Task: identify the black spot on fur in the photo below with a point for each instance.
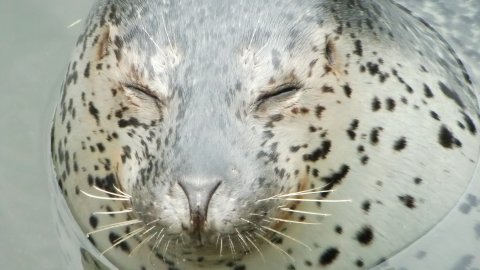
(101, 147)
(470, 125)
(376, 105)
(366, 205)
(318, 153)
(446, 138)
(407, 200)
(93, 111)
(327, 89)
(427, 91)
(374, 136)
(451, 94)
(358, 48)
(347, 90)
(418, 180)
(434, 115)
(122, 123)
(86, 73)
(400, 144)
(329, 256)
(335, 178)
(93, 221)
(318, 111)
(351, 131)
(365, 235)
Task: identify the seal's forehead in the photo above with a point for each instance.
(201, 24)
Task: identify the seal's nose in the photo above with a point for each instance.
(199, 195)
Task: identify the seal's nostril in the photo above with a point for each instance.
(199, 196)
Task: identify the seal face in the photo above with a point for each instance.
(333, 133)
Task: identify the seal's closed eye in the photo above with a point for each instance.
(143, 92)
(279, 94)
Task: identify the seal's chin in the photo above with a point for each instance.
(206, 247)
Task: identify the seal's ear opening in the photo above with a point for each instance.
(331, 55)
(103, 43)
(330, 52)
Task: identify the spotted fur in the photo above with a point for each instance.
(210, 107)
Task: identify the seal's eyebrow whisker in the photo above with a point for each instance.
(252, 37)
(123, 239)
(304, 212)
(105, 198)
(166, 32)
(153, 41)
(113, 212)
(275, 246)
(115, 225)
(288, 236)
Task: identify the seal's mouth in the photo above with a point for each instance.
(199, 238)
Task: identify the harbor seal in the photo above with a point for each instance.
(261, 135)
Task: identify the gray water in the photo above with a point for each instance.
(35, 45)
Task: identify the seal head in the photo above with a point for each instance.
(205, 134)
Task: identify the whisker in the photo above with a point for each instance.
(242, 240)
(256, 225)
(256, 247)
(313, 200)
(113, 212)
(232, 247)
(123, 239)
(149, 229)
(166, 248)
(111, 193)
(104, 198)
(306, 193)
(275, 246)
(156, 244)
(295, 222)
(152, 40)
(146, 240)
(304, 212)
(121, 192)
(221, 246)
(218, 239)
(287, 236)
(318, 190)
(251, 38)
(153, 221)
(166, 32)
(74, 23)
(159, 241)
(115, 225)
